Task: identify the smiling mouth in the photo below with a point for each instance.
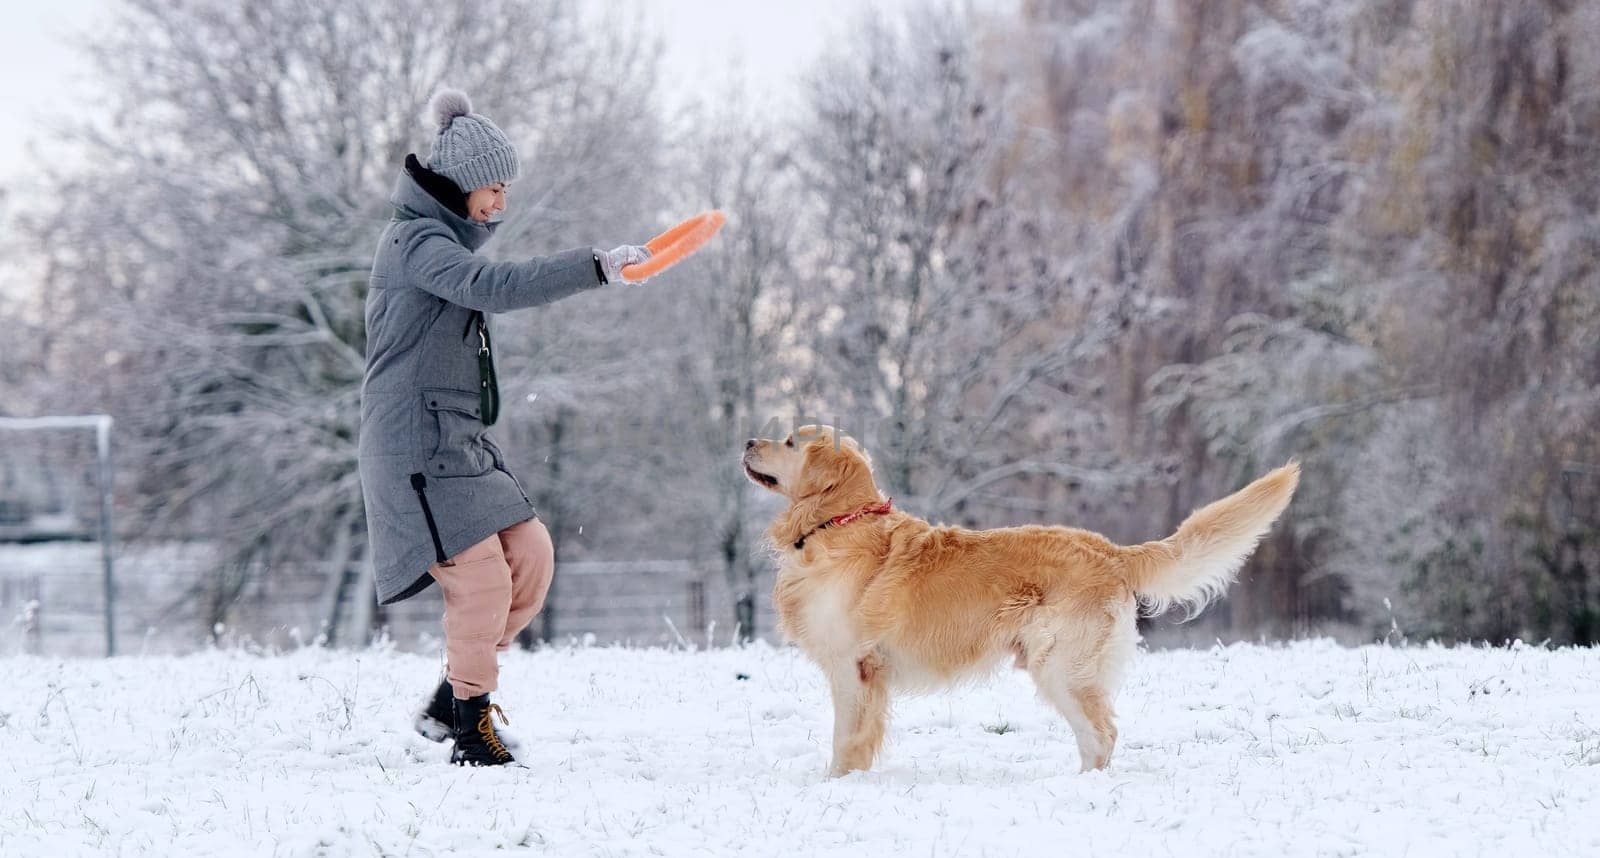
(766, 481)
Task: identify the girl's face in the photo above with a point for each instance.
(486, 201)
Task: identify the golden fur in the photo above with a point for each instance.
(889, 602)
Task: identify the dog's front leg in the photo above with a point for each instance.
(860, 713)
(846, 701)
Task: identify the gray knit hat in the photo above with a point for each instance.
(469, 150)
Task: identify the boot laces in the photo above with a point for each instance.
(486, 730)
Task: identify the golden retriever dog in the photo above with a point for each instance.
(883, 601)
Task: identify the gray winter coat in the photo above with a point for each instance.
(432, 480)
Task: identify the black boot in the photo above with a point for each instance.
(477, 744)
(436, 720)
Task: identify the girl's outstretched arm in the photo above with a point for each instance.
(437, 264)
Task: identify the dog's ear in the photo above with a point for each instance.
(827, 468)
(862, 451)
(823, 468)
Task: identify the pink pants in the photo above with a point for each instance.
(491, 592)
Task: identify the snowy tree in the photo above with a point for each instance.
(1073, 261)
(749, 319)
(1366, 231)
(954, 319)
(215, 247)
(1490, 192)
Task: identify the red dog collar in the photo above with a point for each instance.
(840, 520)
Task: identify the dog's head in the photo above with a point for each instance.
(810, 462)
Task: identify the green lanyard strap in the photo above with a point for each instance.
(488, 387)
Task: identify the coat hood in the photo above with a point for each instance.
(412, 201)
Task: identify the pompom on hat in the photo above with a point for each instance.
(468, 149)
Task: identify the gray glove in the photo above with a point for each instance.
(612, 261)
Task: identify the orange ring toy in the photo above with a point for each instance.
(673, 246)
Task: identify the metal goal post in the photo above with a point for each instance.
(101, 424)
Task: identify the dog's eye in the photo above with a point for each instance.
(789, 441)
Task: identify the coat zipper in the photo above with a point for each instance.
(419, 482)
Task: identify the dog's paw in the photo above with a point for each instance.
(839, 770)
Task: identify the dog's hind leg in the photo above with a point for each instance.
(860, 713)
(1095, 704)
(1088, 711)
(1079, 678)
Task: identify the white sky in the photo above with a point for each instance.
(41, 73)
(771, 40)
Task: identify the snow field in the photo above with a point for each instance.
(1306, 749)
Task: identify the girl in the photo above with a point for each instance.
(441, 505)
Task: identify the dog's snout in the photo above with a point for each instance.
(750, 444)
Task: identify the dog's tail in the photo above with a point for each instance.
(1194, 565)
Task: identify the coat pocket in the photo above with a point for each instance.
(453, 433)
(500, 462)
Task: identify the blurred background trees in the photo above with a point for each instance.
(1072, 261)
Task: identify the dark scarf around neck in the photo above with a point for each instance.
(439, 187)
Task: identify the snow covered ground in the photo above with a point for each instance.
(1308, 749)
